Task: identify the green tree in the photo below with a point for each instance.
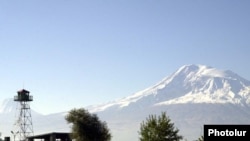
(158, 129)
(87, 126)
(201, 138)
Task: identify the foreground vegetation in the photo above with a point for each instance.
(88, 127)
(159, 129)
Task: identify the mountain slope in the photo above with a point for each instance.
(202, 84)
(192, 96)
(9, 114)
(190, 84)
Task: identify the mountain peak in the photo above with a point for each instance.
(200, 70)
(190, 84)
(205, 84)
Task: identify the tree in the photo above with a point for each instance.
(159, 129)
(201, 138)
(87, 126)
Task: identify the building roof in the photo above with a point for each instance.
(47, 135)
(23, 91)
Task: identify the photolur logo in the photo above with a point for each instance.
(214, 132)
(224, 132)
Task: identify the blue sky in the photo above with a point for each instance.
(78, 53)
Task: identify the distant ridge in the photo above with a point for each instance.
(8, 106)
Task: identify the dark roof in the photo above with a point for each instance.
(23, 91)
(46, 135)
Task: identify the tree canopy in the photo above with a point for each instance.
(158, 129)
(201, 138)
(87, 126)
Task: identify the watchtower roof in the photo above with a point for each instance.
(23, 91)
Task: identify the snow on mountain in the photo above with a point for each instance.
(190, 84)
(204, 84)
(192, 96)
(8, 106)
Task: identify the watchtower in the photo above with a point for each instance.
(24, 119)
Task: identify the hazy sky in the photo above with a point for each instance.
(75, 53)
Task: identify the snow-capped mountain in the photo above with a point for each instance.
(190, 84)
(192, 96)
